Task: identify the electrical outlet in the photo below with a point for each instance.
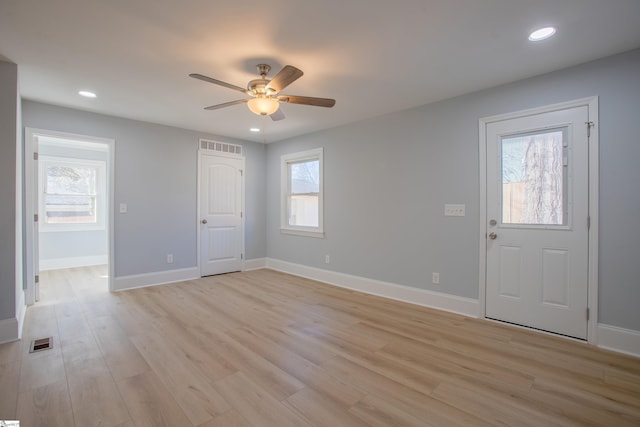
(327, 260)
(170, 259)
(123, 208)
(454, 210)
(435, 278)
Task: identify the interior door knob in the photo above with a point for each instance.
(493, 235)
(204, 221)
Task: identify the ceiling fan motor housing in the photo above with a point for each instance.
(259, 87)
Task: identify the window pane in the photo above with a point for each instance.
(533, 179)
(71, 179)
(305, 177)
(70, 194)
(303, 211)
(66, 209)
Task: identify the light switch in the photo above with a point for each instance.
(123, 208)
(453, 210)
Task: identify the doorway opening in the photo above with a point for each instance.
(69, 190)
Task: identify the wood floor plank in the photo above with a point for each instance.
(495, 406)
(228, 419)
(121, 356)
(255, 404)
(38, 370)
(46, 406)
(310, 374)
(263, 348)
(9, 385)
(10, 352)
(96, 400)
(193, 392)
(273, 379)
(322, 411)
(149, 403)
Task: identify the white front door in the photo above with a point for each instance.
(537, 212)
(221, 222)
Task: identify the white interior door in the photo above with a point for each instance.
(221, 222)
(537, 213)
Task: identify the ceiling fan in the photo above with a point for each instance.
(266, 93)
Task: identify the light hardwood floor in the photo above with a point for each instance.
(263, 348)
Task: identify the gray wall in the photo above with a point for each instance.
(54, 245)
(10, 267)
(156, 175)
(387, 180)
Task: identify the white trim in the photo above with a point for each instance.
(135, 281)
(465, 306)
(255, 264)
(73, 262)
(285, 160)
(619, 339)
(9, 330)
(592, 104)
(31, 200)
(21, 308)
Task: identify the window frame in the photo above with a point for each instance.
(100, 196)
(286, 160)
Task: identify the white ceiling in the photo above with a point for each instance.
(373, 56)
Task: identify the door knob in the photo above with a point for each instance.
(493, 235)
(204, 221)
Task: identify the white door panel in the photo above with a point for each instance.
(221, 223)
(537, 207)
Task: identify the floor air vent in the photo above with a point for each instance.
(41, 344)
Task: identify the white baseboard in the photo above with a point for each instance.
(465, 306)
(9, 330)
(619, 339)
(21, 311)
(82, 261)
(255, 264)
(158, 278)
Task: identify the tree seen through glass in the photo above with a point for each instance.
(533, 179)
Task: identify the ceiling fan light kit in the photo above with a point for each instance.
(266, 101)
(263, 105)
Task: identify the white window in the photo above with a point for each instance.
(73, 194)
(301, 176)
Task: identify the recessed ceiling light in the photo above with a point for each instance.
(542, 34)
(254, 130)
(87, 94)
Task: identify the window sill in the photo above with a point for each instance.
(305, 233)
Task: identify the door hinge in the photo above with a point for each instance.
(588, 313)
(589, 126)
(589, 223)
(37, 278)
(35, 155)
(241, 256)
(241, 214)
(35, 217)
(241, 172)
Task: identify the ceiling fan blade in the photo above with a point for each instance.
(284, 78)
(278, 115)
(217, 82)
(307, 100)
(226, 104)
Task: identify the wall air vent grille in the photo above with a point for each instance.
(220, 147)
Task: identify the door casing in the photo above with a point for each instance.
(31, 203)
(592, 104)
